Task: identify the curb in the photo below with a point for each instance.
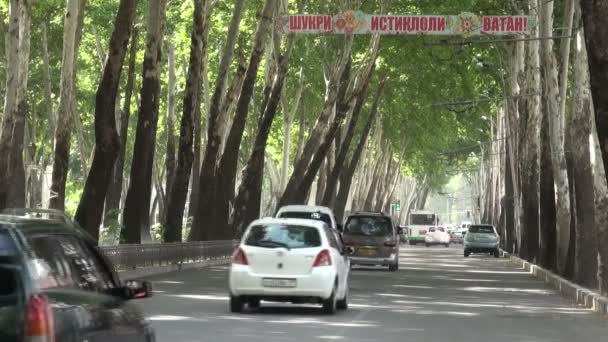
(150, 271)
(582, 296)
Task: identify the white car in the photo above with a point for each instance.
(437, 236)
(311, 212)
(289, 260)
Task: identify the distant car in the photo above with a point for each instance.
(437, 236)
(374, 239)
(310, 212)
(56, 286)
(456, 236)
(481, 239)
(289, 260)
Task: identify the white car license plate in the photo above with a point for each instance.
(276, 282)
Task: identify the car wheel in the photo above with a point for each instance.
(447, 245)
(393, 268)
(330, 305)
(467, 253)
(254, 303)
(497, 254)
(412, 242)
(236, 304)
(343, 303)
(426, 244)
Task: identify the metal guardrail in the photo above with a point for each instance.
(129, 257)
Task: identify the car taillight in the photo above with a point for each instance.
(239, 257)
(423, 232)
(322, 259)
(39, 325)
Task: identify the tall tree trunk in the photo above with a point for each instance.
(48, 94)
(136, 219)
(205, 97)
(301, 134)
(346, 177)
(556, 124)
(16, 186)
(248, 200)
(176, 198)
(548, 233)
(595, 18)
(293, 190)
(10, 101)
(114, 194)
(531, 185)
(66, 107)
(586, 261)
(90, 208)
(509, 202)
(288, 117)
(226, 174)
(170, 163)
(601, 212)
(208, 174)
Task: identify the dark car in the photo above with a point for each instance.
(373, 238)
(55, 285)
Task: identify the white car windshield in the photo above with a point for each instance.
(285, 236)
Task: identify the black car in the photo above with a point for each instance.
(55, 285)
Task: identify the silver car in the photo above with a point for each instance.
(481, 239)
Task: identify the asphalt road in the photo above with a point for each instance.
(437, 295)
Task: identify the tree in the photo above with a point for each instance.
(556, 134)
(346, 177)
(114, 194)
(595, 14)
(66, 106)
(10, 100)
(176, 195)
(207, 176)
(136, 218)
(248, 199)
(586, 233)
(90, 208)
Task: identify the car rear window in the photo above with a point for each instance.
(368, 226)
(281, 235)
(317, 216)
(481, 229)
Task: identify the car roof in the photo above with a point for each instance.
(367, 213)
(294, 221)
(34, 225)
(306, 208)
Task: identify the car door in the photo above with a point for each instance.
(77, 286)
(338, 254)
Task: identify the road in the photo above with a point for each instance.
(436, 296)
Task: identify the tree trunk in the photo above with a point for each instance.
(556, 134)
(548, 233)
(113, 197)
(208, 173)
(136, 219)
(90, 208)
(176, 198)
(198, 129)
(229, 102)
(66, 108)
(170, 163)
(288, 117)
(48, 94)
(101, 55)
(16, 171)
(601, 212)
(219, 207)
(531, 185)
(586, 261)
(293, 190)
(10, 101)
(595, 17)
(248, 200)
(301, 134)
(347, 176)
